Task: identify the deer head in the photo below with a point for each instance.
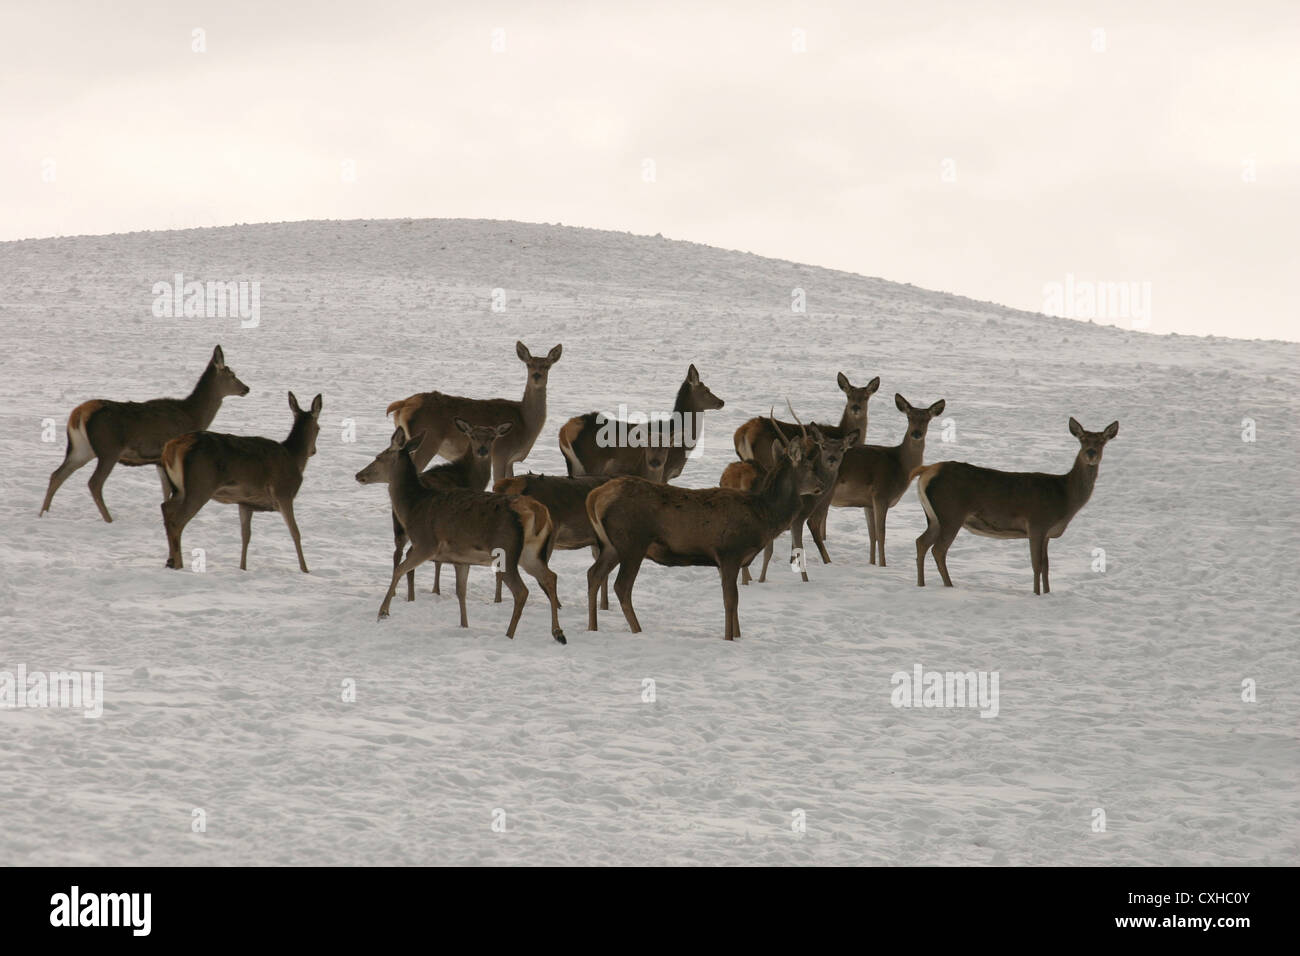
(856, 404)
(701, 399)
(918, 419)
(482, 437)
(227, 381)
(307, 421)
(538, 368)
(1092, 443)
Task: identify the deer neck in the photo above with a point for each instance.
(298, 444)
(779, 496)
(911, 453)
(847, 423)
(204, 402)
(404, 486)
(532, 407)
(476, 470)
(687, 417)
(1079, 482)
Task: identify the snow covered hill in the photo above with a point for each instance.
(1121, 691)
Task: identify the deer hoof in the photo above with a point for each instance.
(559, 636)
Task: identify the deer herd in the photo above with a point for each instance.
(617, 498)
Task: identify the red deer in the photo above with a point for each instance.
(433, 414)
(566, 499)
(874, 477)
(133, 433)
(465, 527)
(472, 471)
(829, 452)
(1005, 504)
(258, 474)
(718, 527)
(753, 440)
(589, 450)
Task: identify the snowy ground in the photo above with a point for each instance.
(1121, 690)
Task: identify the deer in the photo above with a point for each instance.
(753, 440)
(472, 471)
(433, 414)
(134, 433)
(718, 527)
(566, 499)
(745, 475)
(874, 477)
(258, 474)
(1005, 504)
(583, 439)
(470, 527)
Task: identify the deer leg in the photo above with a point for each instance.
(940, 551)
(604, 584)
(1047, 588)
(96, 483)
(437, 578)
(744, 575)
(730, 599)
(817, 525)
(767, 557)
(73, 458)
(177, 512)
(871, 530)
(536, 565)
(412, 560)
(1037, 544)
(516, 585)
(623, 589)
(245, 532)
(164, 481)
(880, 510)
(285, 507)
(923, 543)
(796, 546)
(597, 577)
(462, 586)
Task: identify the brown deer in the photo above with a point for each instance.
(472, 471)
(258, 474)
(470, 527)
(1005, 504)
(566, 499)
(753, 440)
(874, 477)
(133, 433)
(433, 414)
(589, 449)
(828, 453)
(718, 527)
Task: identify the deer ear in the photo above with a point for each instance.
(693, 375)
(413, 444)
(937, 408)
(873, 385)
(1075, 428)
(293, 404)
(1111, 431)
(795, 451)
(316, 405)
(398, 439)
(842, 381)
(554, 354)
(903, 404)
(218, 357)
(463, 425)
(522, 351)
(850, 439)
(504, 427)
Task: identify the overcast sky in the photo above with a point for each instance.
(988, 149)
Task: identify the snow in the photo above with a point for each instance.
(1121, 690)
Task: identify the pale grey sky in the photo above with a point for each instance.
(987, 149)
